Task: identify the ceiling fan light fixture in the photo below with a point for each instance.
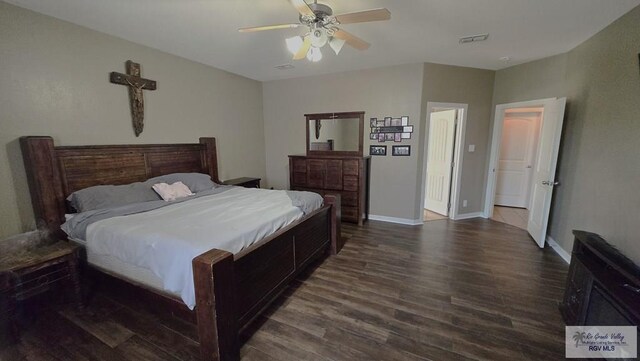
(294, 43)
(322, 25)
(336, 44)
(314, 55)
(318, 37)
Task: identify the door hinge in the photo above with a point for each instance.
(453, 164)
(448, 206)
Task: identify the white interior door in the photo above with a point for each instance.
(442, 127)
(544, 174)
(517, 157)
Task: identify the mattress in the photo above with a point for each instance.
(122, 269)
(156, 247)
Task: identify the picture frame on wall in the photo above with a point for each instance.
(380, 150)
(401, 150)
(390, 129)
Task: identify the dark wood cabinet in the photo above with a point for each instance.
(579, 281)
(322, 174)
(603, 286)
(347, 176)
(28, 272)
(333, 176)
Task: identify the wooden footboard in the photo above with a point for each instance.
(232, 291)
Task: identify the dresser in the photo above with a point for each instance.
(603, 286)
(347, 176)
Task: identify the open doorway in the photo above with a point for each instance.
(516, 161)
(443, 159)
(522, 165)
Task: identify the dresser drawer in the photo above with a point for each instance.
(41, 280)
(350, 183)
(333, 175)
(299, 165)
(350, 167)
(349, 199)
(299, 179)
(349, 213)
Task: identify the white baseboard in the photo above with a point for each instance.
(407, 221)
(559, 250)
(469, 216)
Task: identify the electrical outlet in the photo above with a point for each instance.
(464, 203)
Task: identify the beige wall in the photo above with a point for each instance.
(54, 80)
(396, 182)
(544, 78)
(599, 164)
(391, 91)
(453, 84)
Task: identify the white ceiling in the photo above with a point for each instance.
(419, 30)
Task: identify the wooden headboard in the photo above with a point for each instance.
(54, 172)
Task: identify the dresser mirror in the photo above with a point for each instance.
(335, 133)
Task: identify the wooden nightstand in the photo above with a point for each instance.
(27, 272)
(243, 182)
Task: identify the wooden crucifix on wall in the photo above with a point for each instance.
(136, 84)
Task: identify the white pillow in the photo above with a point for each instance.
(173, 191)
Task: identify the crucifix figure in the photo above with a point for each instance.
(136, 84)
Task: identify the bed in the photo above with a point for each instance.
(230, 289)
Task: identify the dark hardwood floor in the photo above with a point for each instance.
(467, 290)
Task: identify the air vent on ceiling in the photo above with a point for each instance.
(474, 38)
(284, 67)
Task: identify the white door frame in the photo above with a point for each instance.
(457, 153)
(498, 122)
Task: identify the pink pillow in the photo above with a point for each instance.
(172, 192)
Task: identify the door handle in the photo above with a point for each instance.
(550, 183)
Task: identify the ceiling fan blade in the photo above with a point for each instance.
(352, 40)
(364, 16)
(303, 8)
(304, 49)
(268, 27)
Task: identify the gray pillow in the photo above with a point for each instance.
(107, 196)
(197, 182)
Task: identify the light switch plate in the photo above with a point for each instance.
(472, 148)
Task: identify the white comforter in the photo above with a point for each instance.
(165, 240)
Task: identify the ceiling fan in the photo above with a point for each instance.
(323, 29)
